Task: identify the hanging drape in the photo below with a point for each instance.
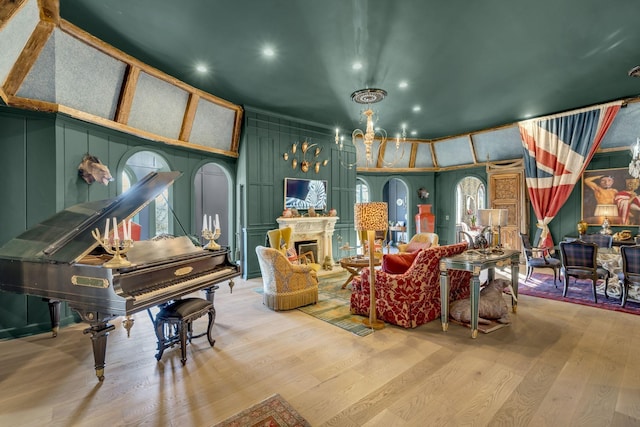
(557, 149)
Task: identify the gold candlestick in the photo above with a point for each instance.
(211, 236)
(117, 249)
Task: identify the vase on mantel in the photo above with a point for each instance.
(425, 220)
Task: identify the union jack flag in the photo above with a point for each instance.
(557, 149)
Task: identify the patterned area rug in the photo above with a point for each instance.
(333, 305)
(272, 412)
(579, 292)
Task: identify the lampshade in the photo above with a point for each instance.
(370, 216)
(606, 210)
(493, 217)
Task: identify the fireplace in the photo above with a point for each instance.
(304, 246)
(318, 230)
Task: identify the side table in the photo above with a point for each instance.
(354, 264)
(475, 261)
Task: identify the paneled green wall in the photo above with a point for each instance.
(40, 156)
(262, 170)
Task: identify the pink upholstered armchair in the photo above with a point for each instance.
(413, 297)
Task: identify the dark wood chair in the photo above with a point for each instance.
(630, 270)
(579, 260)
(602, 240)
(539, 258)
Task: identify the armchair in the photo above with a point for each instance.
(602, 240)
(286, 285)
(579, 260)
(413, 297)
(419, 241)
(538, 258)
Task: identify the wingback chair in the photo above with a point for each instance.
(579, 260)
(419, 241)
(280, 239)
(286, 285)
(411, 298)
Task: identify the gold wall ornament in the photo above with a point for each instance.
(308, 157)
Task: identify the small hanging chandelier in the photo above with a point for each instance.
(370, 134)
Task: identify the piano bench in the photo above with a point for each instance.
(174, 324)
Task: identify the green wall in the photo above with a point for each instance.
(40, 156)
(262, 170)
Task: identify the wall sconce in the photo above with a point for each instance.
(299, 157)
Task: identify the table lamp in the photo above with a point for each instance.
(606, 211)
(371, 217)
(494, 219)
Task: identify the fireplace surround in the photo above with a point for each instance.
(318, 229)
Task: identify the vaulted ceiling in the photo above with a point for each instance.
(466, 66)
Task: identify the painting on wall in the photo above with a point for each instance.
(610, 193)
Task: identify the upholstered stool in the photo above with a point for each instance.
(174, 324)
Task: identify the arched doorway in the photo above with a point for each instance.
(395, 194)
(212, 196)
(154, 219)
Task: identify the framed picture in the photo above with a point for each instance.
(610, 193)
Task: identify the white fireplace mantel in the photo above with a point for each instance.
(318, 228)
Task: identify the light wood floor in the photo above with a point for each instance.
(557, 364)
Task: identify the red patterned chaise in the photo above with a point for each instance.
(413, 297)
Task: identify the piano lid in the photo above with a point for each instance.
(66, 236)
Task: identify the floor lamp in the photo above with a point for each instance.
(371, 217)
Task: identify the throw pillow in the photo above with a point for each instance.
(416, 246)
(398, 263)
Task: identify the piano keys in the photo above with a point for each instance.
(59, 260)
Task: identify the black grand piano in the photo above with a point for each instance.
(60, 260)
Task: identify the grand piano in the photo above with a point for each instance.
(60, 260)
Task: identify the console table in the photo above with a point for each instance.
(475, 261)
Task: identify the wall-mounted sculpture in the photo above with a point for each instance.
(91, 170)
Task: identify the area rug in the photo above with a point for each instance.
(334, 305)
(272, 412)
(579, 292)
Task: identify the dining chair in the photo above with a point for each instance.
(630, 270)
(602, 240)
(579, 260)
(539, 258)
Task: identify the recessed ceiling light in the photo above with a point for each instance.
(357, 65)
(201, 68)
(403, 84)
(268, 52)
(414, 132)
(416, 108)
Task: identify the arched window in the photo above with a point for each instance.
(154, 218)
(470, 196)
(362, 191)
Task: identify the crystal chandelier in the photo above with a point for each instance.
(634, 166)
(368, 97)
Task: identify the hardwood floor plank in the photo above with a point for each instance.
(556, 364)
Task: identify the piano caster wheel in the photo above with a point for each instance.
(100, 374)
(54, 332)
(231, 284)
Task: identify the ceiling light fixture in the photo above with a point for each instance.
(367, 97)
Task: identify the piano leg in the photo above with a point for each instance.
(54, 315)
(99, 332)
